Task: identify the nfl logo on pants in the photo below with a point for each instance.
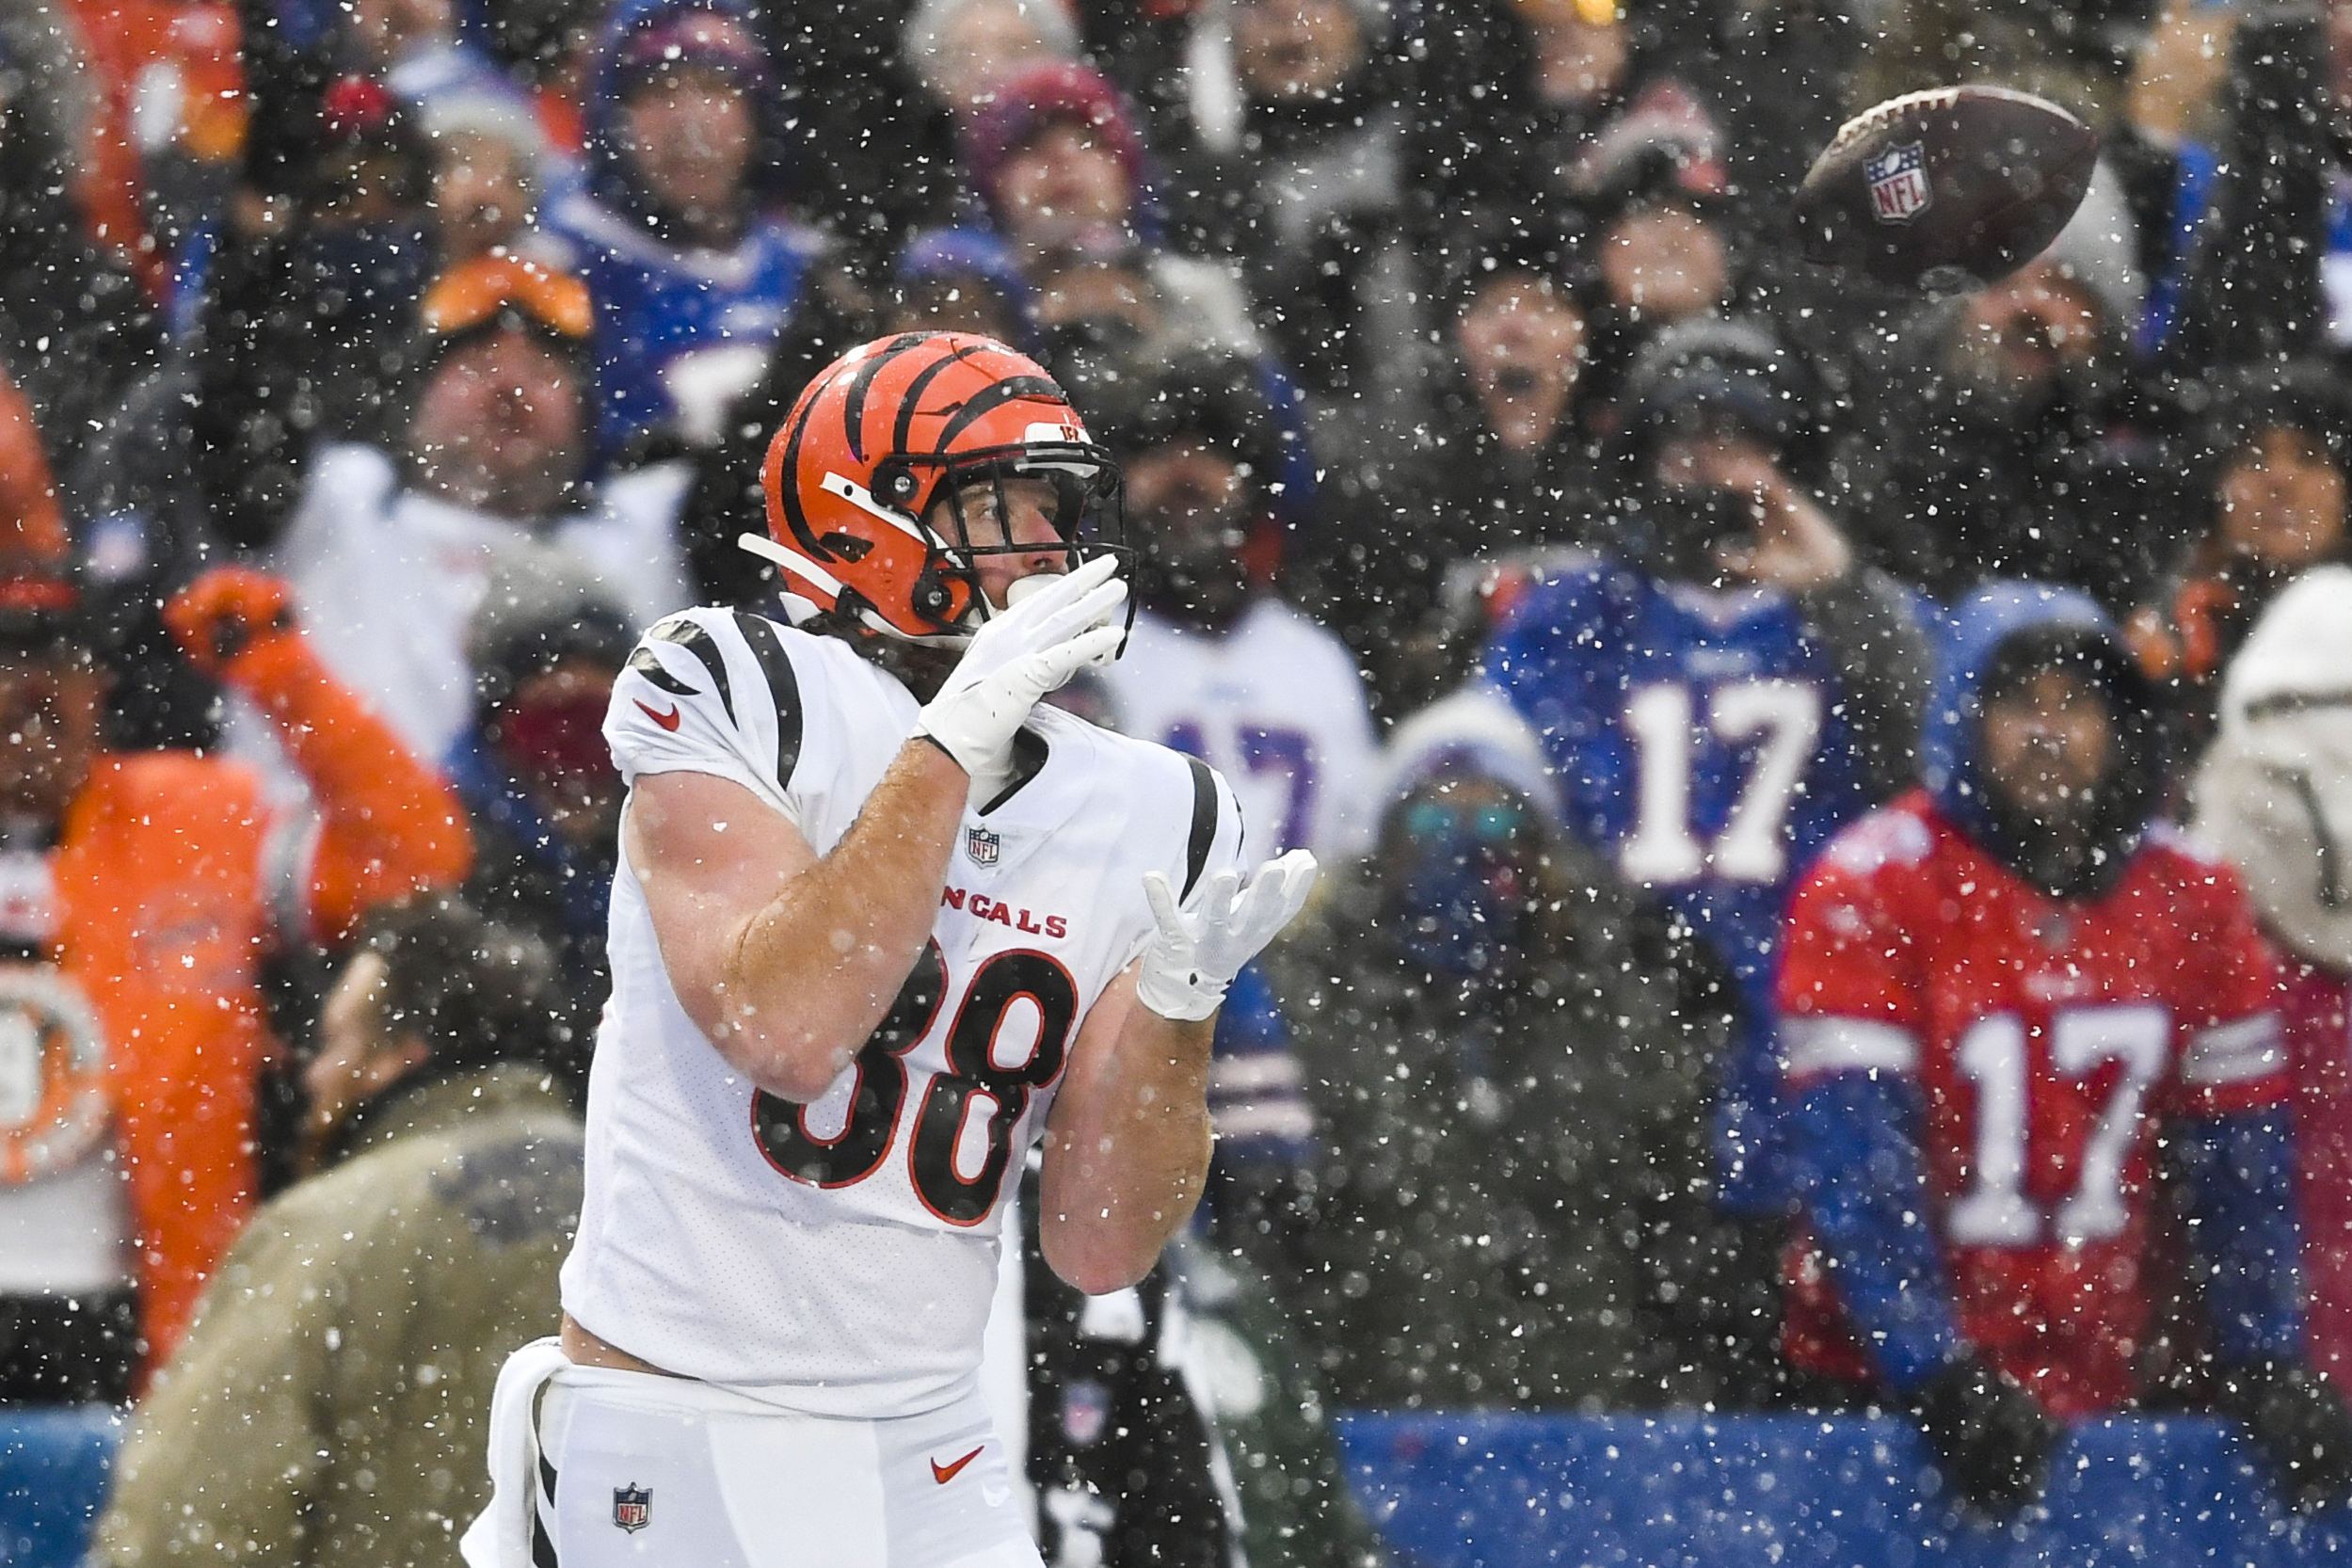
(633, 1506)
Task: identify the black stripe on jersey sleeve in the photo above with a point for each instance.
(1204, 823)
(690, 635)
(645, 663)
(783, 685)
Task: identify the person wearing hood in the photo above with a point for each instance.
(693, 272)
(1291, 162)
(150, 888)
(540, 789)
(2001, 993)
(1218, 666)
(1520, 106)
(306, 314)
(1509, 1052)
(1718, 689)
(346, 1354)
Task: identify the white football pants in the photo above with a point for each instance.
(640, 1471)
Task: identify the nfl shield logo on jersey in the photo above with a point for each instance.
(1898, 183)
(983, 845)
(633, 1506)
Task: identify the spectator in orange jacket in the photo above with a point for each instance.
(138, 894)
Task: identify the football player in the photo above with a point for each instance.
(1994, 990)
(881, 922)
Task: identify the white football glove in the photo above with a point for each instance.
(1223, 926)
(1016, 657)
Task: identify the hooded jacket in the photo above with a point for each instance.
(1903, 899)
(657, 297)
(1990, 633)
(1507, 1196)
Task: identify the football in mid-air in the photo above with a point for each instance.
(1946, 190)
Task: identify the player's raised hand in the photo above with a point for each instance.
(1019, 655)
(1202, 946)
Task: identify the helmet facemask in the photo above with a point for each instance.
(1087, 511)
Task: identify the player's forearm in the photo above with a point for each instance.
(1127, 1152)
(807, 978)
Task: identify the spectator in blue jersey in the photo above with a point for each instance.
(1716, 691)
(694, 274)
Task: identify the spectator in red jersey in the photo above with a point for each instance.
(1995, 989)
(2275, 795)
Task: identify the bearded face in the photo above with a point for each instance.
(1189, 505)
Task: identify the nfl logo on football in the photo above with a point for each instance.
(633, 1506)
(983, 845)
(1899, 181)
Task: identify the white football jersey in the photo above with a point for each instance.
(1276, 705)
(838, 1258)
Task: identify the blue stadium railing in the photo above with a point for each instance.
(52, 1476)
(1678, 1492)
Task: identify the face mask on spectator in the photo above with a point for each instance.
(556, 740)
(1461, 903)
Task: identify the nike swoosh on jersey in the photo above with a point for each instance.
(667, 721)
(946, 1473)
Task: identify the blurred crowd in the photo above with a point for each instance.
(1523, 527)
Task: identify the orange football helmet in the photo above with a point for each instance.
(856, 476)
